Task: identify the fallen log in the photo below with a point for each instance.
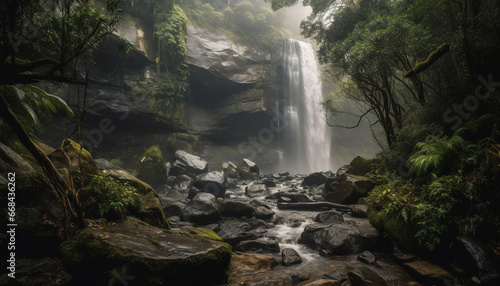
(319, 206)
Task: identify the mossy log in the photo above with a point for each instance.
(431, 59)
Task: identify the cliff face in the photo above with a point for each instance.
(232, 87)
(232, 92)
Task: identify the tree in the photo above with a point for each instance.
(47, 40)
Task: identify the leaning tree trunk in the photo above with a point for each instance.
(73, 212)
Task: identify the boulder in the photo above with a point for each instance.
(262, 212)
(340, 238)
(476, 258)
(151, 167)
(229, 169)
(234, 232)
(117, 173)
(250, 262)
(203, 209)
(358, 210)
(314, 179)
(248, 170)
(174, 209)
(290, 256)
(80, 161)
(38, 271)
(151, 211)
(347, 189)
(367, 257)
(131, 247)
(180, 182)
(364, 276)
(258, 246)
(253, 191)
(428, 272)
(360, 166)
(186, 163)
(213, 182)
(236, 208)
(329, 217)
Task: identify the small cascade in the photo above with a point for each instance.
(306, 137)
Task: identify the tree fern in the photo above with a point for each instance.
(433, 153)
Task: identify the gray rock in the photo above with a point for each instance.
(253, 191)
(174, 209)
(212, 182)
(329, 217)
(367, 257)
(258, 246)
(262, 212)
(290, 256)
(234, 232)
(186, 163)
(248, 170)
(340, 238)
(314, 179)
(203, 209)
(236, 208)
(229, 169)
(347, 189)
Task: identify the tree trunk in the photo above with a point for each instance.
(68, 196)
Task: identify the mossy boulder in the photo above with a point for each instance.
(151, 167)
(80, 163)
(360, 166)
(182, 141)
(248, 170)
(151, 211)
(229, 169)
(347, 189)
(146, 255)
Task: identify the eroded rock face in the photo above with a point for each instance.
(132, 247)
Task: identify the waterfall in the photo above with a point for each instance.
(306, 137)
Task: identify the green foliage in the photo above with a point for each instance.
(108, 198)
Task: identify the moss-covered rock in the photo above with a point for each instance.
(182, 141)
(126, 177)
(230, 169)
(248, 170)
(80, 163)
(151, 211)
(360, 166)
(146, 254)
(151, 167)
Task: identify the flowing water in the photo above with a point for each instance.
(306, 138)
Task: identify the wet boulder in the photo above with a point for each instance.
(360, 166)
(248, 170)
(329, 217)
(120, 175)
(290, 256)
(236, 208)
(314, 179)
(261, 212)
(340, 238)
(186, 163)
(214, 183)
(151, 211)
(229, 169)
(203, 209)
(362, 276)
(347, 189)
(258, 246)
(259, 190)
(151, 167)
(233, 232)
(131, 247)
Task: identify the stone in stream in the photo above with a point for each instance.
(364, 276)
(314, 179)
(186, 163)
(229, 169)
(251, 262)
(202, 209)
(234, 231)
(253, 191)
(340, 238)
(214, 183)
(329, 217)
(248, 170)
(367, 257)
(428, 272)
(476, 259)
(262, 212)
(146, 254)
(236, 208)
(258, 246)
(320, 282)
(347, 189)
(290, 256)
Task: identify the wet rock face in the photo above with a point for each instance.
(133, 247)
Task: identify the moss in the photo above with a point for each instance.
(80, 161)
(151, 168)
(360, 166)
(432, 58)
(182, 141)
(399, 231)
